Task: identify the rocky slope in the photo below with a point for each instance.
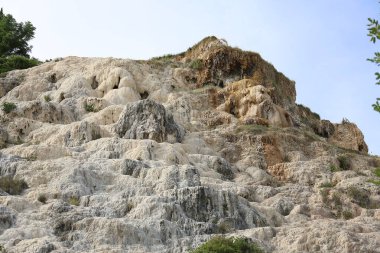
(159, 155)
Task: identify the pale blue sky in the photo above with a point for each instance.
(321, 44)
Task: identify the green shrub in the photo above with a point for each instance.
(7, 107)
(344, 162)
(220, 244)
(13, 186)
(359, 196)
(73, 200)
(47, 98)
(252, 129)
(223, 228)
(89, 107)
(2, 249)
(16, 62)
(375, 182)
(42, 198)
(165, 58)
(196, 64)
(130, 206)
(377, 172)
(347, 215)
(326, 185)
(333, 168)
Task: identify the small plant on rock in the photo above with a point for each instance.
(42, 198)
(333, 168)
(375, 182)
(7, 107)
(347, 215)
(359, 196)
(220, 244)
(344, 162)
(47, 98)
(2, 249)
(196, 64)
(326, 185)
(377, 172)
(73, 200)
(89, 108)
(130, 206)
(13, 186)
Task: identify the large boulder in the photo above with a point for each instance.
(147, 119)
(347, 135)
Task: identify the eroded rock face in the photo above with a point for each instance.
(251, 102)
(101, 144)
(223, 64)
(8, 83)
(348, 135)
(147, 119)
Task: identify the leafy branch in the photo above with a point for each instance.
(374, 34)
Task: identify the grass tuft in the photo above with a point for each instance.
(74, 201)
(13, 186)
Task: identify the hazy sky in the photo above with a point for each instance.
(321, 44)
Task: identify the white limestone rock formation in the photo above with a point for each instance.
(160, 155)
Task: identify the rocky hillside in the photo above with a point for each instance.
(113, 155)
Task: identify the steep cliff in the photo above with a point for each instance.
(159, 155)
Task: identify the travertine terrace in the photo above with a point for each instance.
(160, 155)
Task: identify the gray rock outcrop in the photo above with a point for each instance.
(147, 119)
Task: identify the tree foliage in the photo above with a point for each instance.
(220, 244)
(374, 34)
(14, 43)
(16, 62)
(14, 36)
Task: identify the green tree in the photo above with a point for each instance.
(14, 36)
(14, 43)
(374, 34)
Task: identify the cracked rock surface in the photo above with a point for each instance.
(160, 155)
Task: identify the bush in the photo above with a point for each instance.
(89, 108)
(377, 172)
(333, 168)
(16, 62)
(13, 186)
(2, 249)
(165, 58)
(359, 196)
(344, 162)
(347, 215)
(73, 200)
(220, 244)
(326, 185)
(7, 107)
(42, 198)
(196, 64)
(47, 98)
